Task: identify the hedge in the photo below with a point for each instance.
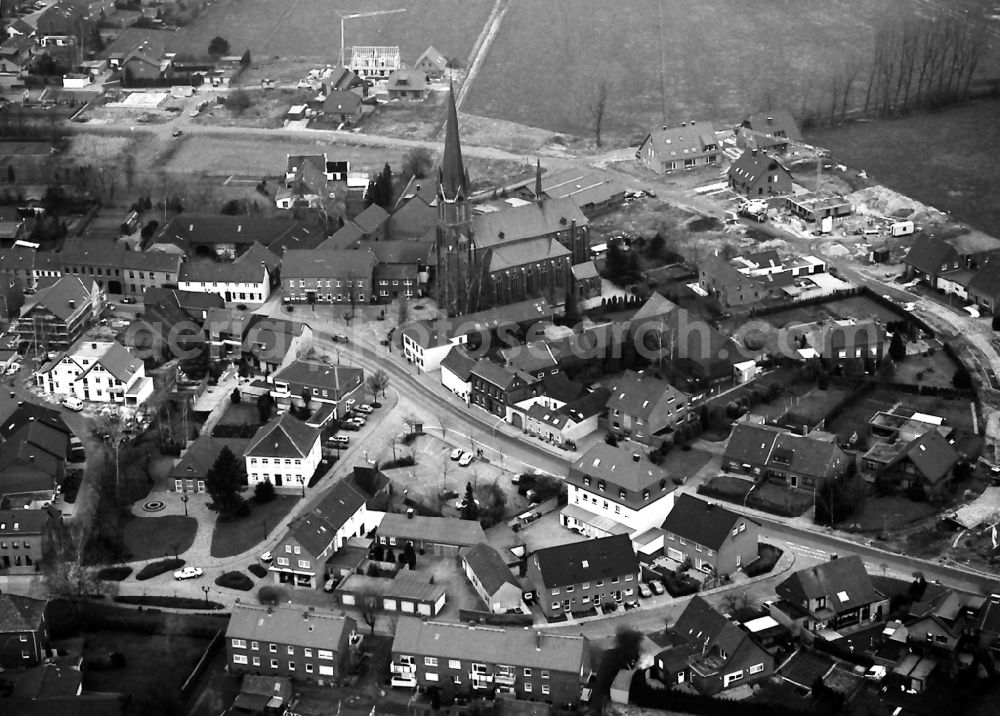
(235, 580)
(405, 461)
(155, 569)
(767, 557)
(114, 574)
(257, 570)
(169, 602)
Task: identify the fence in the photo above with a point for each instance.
(199, 669)
(481, 617)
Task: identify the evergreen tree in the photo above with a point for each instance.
(469, 509)
(225, 481)
(385, 187)
(897, 348)
(571, 312)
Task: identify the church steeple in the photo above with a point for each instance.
(452, 177)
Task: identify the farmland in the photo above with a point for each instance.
(311, 28)
(959, 176)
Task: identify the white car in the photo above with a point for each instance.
(456, 454)
(357, 420)
(466, 459)
(366, 409)
(266, 557)
(13, 368)
(188, 573)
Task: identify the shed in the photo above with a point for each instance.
(621, 686)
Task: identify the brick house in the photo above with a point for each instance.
(190, 470)
(495, 387)
(725, 283)
(456, 372)
(117, 270)
(22, 538)
(329, 276)
(481, 659)
(838, 594)
(756, 174)
(712, 538)
(802, 462)
(440, 536)
(689, 146)
(301, 643)
(929, 257)
(642, 407)
(579, 576)
(772, 130)
(24, 630)
(331, 385)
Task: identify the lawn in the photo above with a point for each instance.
(957, 412)
(154, 537)
(958, 176)
(311, 28)
(232, 537)
(854, 307)
(240, 414)
(888, 513)
(155, 689)
(550, 55)
(685, 463)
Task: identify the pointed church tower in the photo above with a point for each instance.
(456, 259)
(539, 195)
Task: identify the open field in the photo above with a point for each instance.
(958, 176)
(311, 28)
(550, 55)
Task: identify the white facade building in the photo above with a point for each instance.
(97, 371)
(284, 452)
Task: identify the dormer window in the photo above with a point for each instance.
(645, 494)
(600, 485)
(586, 481)
(621, 494)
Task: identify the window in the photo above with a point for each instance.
(555, 605)
(273, 648)
(237, 643)
(430, 661)
(274, 663)
(256, 661)
(255, 645)
(569, 590)
(325, 654)
(430, 676)
(628, 578)
(585, 585)
(555, 591)
(454, 664)
(309, 668)
(291, 666)
(756, 668)
(297, 549)
(291, 651)
(527, 685)
(527, 671)
(614, 580)
(545, 689)
(307, 653)
(239, 659)
(304, 564)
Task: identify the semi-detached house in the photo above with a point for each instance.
(712, 539)
(480, 659)
(643, 407)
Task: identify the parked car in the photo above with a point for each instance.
(357, 420)
(267, 557)
(339, 441)
(188, 573)
(657, 586)
(330, 584)
(339, 338)
(350, 425)
(466, 459)
(456, 454)
(73, 403)
(13, 368)
(366, 409)
(644, 591)
(128, 299)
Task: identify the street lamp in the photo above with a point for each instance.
(754, 487)
(264, 523)
(205, 589)
(184, 499)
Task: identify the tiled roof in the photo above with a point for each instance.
(371, 218)
(618, 466)
(681, 142)
(198, 459)
(844, 582)
(459, 362)
(316, 528)
(494, 373)
(19, 613)
(342, 102)
(57, 297)
(210, 229)
(773, 121)
(434, 57)
(299, 626)
(932, 455)
(929, 254)
(284, 436)
(513, 647)
(337, 380)
(526, 222)
(440, 530)
(20, 522)
(328, 264)
(701, 522)
(587, 561)
(585, 270)
(543, 248)
(407, 80)
(639, 395)
(108, 254)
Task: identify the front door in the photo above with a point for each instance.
(277, 480)
(739, 560)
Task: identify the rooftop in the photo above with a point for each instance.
(587, 561)
(299, 626)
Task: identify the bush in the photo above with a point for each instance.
(767, 557)
(169, 602)
(680, 585)
(263, 492)
(257, 570)
(271, 596)
(155, 569)
(235, 580)
(405, 461)
(238, 101)
(114, 574)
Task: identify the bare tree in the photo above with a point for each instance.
(403, 311)
(444, 422)
(597, 108)
(65, 570)
(377, 382)
(111, 428)
(368, 603)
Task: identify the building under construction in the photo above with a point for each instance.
(371, 61)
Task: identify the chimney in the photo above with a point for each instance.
(692, 122)
(770, 121)
(635, 457)
(684, 124)
(409, 513)
(538, 641)
(72, 303)
(664, 128)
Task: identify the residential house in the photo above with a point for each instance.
(295, 163)
(19, 28)
(227, 237)
(708, 537)
(24, 630)
(190, 470)
(415, 212)
(300, 643)
(987, 624)
(285, 452)
(225, 330)
(426, 343)
(724, 282)
(689, 146)
(930, 257)
(22, 539)
(710, 652)
(343, 106)
(816, 207)
(984, 288)
(172, 322)
(756, 174)
(317, 534)
(61, 18)
(307, 188)
(372, 222)
(57, 315)
(645, 408)
(15, 53)
(802, 462)
(495, 387)
(405, 592)
(570, 422)
(616, 490)
(403, 268)
(773, 131)
(836, 595)
(407, 84)
(331, 385)
(587, 280)
(245, 280)
(117, 270)
(579, 576)
(492, 579)
(432, 63)
(97, 371)
(271, 344)
(456, 372)
(440, 536)
(328, 276)
(374, 61)
(925, 463)
(18, 264)
(34, 448)
(342, 79)
(480, 659)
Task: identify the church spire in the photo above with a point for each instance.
(452, 173)
(538, 182)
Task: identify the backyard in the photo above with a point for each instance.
(156, 537)
(957, 412)
(853, 307)
(233, 536)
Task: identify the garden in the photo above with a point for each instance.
(766, 496)
(234, 534)
(151, 537)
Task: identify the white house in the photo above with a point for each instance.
(456, 372)
(426, 344)
(98, 371)
(284, 452)
(245, 280)
(617, 490)
(492, 579)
